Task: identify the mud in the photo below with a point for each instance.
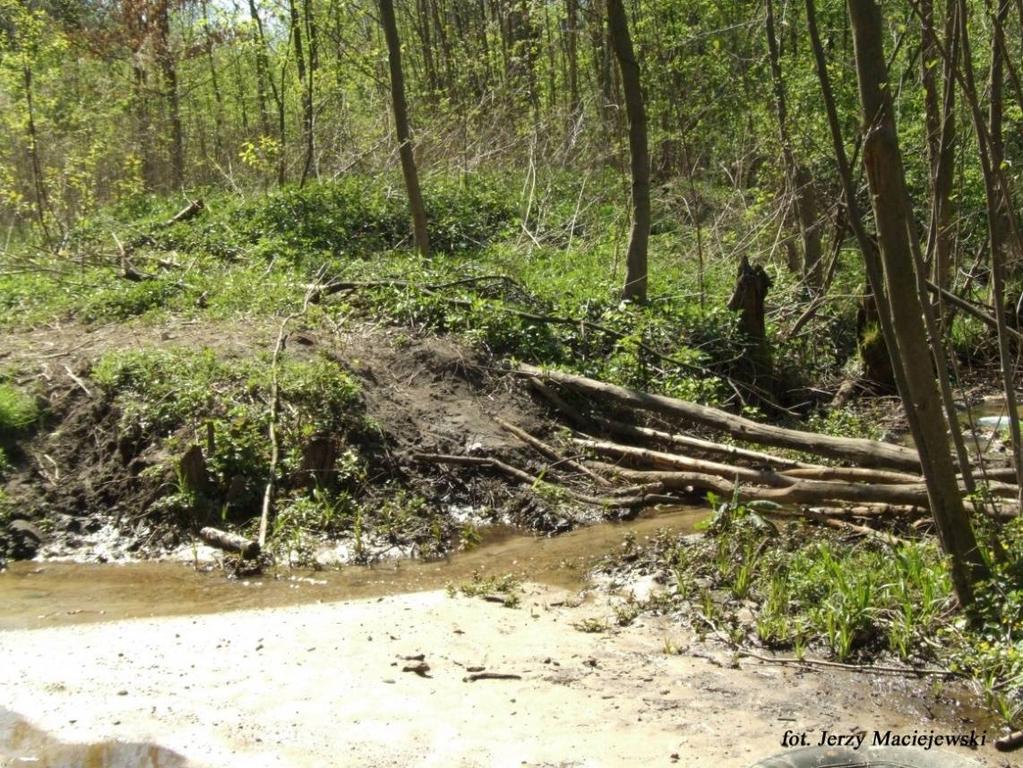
(89, 487)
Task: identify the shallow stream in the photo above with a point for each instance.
(48, 594)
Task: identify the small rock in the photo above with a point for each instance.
(420, 668)
(25, 539)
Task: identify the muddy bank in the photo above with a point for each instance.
(103, 479)
(324, 685)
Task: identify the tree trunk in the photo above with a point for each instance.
(169, 70)
(940, 124)
(902, 302)
(798, 180)
(636, 261)
(218, 97)
(878, 346)
(1001, 217)
(41, 200)
(305, 82)
(572, 45)
(401, 124)
(262, 69)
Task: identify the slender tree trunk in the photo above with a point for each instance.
(262, 69)
(885, 175)
(169, 70)
(601, 57)
(1001, 217)
(941, 143)
(218, 97)
(572, 45)
(401, 123)
(41, 199)
(636, 261)
(305, 89)
(876, 350)
(798, 179)
(312, 166)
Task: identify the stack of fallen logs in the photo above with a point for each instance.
(642, 466)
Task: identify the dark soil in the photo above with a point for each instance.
(79, 477)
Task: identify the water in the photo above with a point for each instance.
(48, 594)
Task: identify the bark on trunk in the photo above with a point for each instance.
(751, 286)
(401, 124)
(895, 228)
(636, 261)
(798, 180)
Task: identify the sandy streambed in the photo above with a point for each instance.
(323, 684)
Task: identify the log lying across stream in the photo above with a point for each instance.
(671, 467)
(864, 453)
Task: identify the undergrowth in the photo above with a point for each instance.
(175, 399)
(792, 587)
(538, 281)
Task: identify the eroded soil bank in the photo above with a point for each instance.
(324, 684)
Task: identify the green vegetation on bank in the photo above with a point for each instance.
(757, 583)
(537, 288)
(531, 285)
(172, 399)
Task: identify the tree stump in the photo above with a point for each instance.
(751, 286)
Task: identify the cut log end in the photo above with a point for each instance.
(231, 542)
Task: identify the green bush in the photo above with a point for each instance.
(18, 411)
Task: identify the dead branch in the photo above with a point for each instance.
(800, 492)
(617, 502)
(190, 211)
(275, 448)
(853, 475)
(983, 314)
(661, 459)
(549, 452)
(845, 525)
(230, 542)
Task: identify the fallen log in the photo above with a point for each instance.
(853, 475)
(811, 492)
(578, 420)
(706, 446)
(231, 542)
(674, 461)
(869, 453)
(866, 510)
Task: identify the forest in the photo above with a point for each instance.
(322, 284)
